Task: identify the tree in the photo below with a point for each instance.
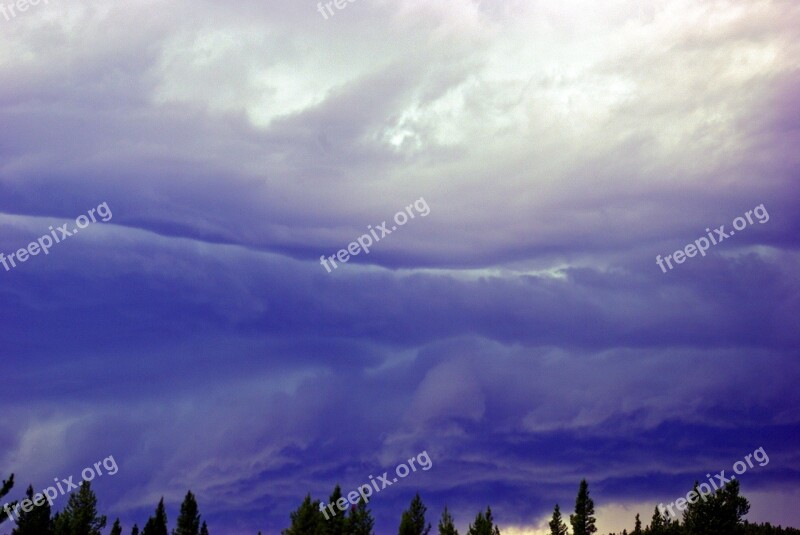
(484, 524)
(61, 524)
(583, 520)
(656, 524)
(204, 529)
(718, 514)
(189, 517)
(335, 524)
(8, 484)
(413, 520)
(557, 526)
(80, 515)
(446, 524)
(116, 529)
(157, 525)
(637, 530)
(135, 530)
(35, 522)
(732, 508)
(359, 520)
(307, 519)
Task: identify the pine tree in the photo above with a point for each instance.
(204, 529)
(557, 526)
(116, 529)
(157, 525)
(80, 515)
(446, 524)
(8, 484)
(135, 530)
(35, 522)
(719, 514)
(413, 520)
(189, 517)
(484, 524)
(335, 524)
(61, 524)
(656, 524)
(673, 527)
(583, 520)
(359, 520)
(637, 530)
(732, 508)
(697, 515)
(307, 520)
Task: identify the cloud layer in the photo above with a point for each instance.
(521, 333)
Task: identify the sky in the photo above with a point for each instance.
(519, 328)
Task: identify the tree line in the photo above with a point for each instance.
(719, 513)
(80, 516)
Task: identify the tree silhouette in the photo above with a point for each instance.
(189, 517)
(446, 524)
(557, 526)
(307, 519)
(335, 524)
(412, 521)
(718, 514)
(157, 525)
(359, 520)
(583, 520)
(80, 516)
(37, 520)
(484, 524)
(8, 484)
